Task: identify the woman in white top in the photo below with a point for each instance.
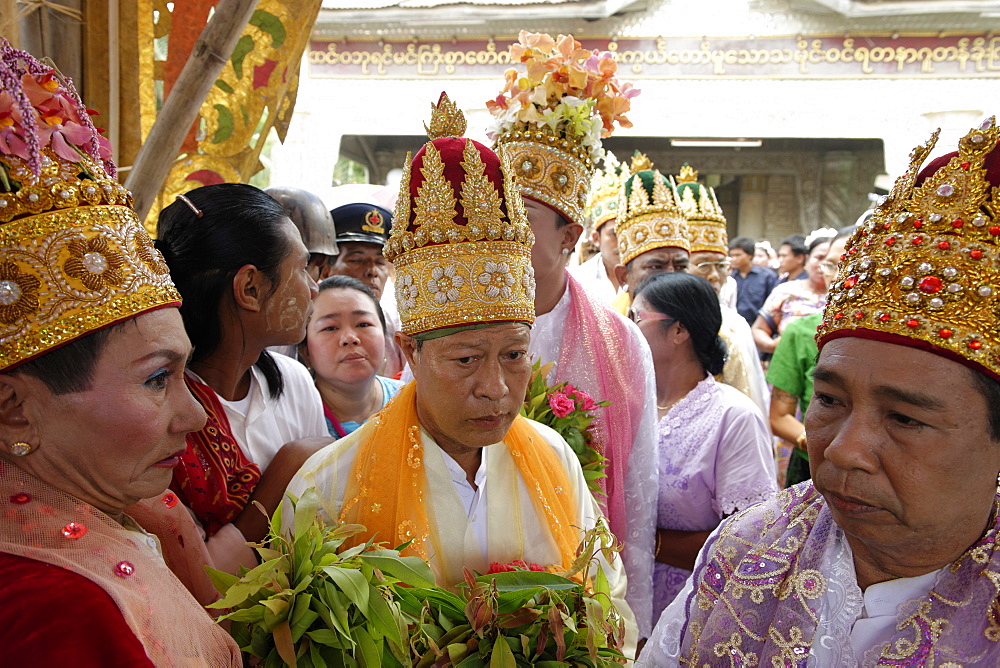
(345, 347)
(241, 268)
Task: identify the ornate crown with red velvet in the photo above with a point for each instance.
(460, 239)
(550, 118)
(705, 222)
(922, 271)
(73, 256)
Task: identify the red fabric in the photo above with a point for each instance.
(52, 617)
(451, 149)
(214, 478)
(992, 164)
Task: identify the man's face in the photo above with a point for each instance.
(713, 267)
(363, 261)
(789, 262)
(656, 261)
(551, 237)
(470, 385)
(899, 447)
(740, 259)
(608, 243)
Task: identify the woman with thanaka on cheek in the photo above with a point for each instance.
(345, 347)
(242, 269)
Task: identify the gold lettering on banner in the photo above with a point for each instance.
(860, 56)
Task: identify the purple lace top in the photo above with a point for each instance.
(715, 458)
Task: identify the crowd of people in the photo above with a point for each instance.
(158, 399)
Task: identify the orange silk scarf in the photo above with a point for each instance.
(387, 491)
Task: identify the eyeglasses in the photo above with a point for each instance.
(639, 316)
(704, 267)
(829, 266)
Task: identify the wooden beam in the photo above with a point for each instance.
(210, 54)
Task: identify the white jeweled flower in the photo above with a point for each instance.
(528, 282)
(406, 292)
(498, 280)
(445, 283)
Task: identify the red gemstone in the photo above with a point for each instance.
(890, 241)
(912, 323)
(170, 499)
(850, 282)
(930, 284)
(843, 256)
(884, 317)
(886, 226)
(858, 315)
(20, 498)
(976, 254)
(944, 333)
(965, 165)
(124, 569)
(995, 231)
(852, 251)
(944, 245)
(838, 316)
(74, 530)
(975, 345)
(918, 223)
(916, 241)
(957, 223)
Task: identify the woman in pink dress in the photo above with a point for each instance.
(714, 448)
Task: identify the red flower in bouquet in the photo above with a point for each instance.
(561, 404)
(516, 565)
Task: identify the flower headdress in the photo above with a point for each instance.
(73, 256)
(921, 271)
(551, 117)
(460, 240)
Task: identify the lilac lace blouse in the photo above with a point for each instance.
(715, 458)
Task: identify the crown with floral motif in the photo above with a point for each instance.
(922, 270)
(706, 224)
(550, 118)
(73, 256)
(460, 239)
(649, 215)
(602, 202)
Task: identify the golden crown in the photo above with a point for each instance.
(649, 216)
(73, 256)
(706, 224)
(923, 268)
(460, 239)
(602, 202)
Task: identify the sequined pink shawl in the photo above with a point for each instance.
(600, 356)
(758, 589)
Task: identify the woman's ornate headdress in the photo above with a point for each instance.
(73, 256)
(706, 224)
(602, 202)
(460, 240)
(922, 271)
(551, 117)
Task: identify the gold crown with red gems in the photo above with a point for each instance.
(922, 270)
(74, 257)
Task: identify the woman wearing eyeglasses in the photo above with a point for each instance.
(713, 445)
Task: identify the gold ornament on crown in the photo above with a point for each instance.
(924, 265)
(706, 223)
(602, 202)
(73, 256)
(649, 216)
(459, 259)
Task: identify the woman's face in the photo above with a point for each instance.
(814, 263)
(659, 330)
(118, 442)
(760, 257)
(287, 307)
(345, 343)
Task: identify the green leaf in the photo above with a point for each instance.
(254, 615)
(352, 583)
(270, 24)
(338, 610)
(224, 124)
(220, 579)
(502, 657)
(382, 617)
(306, 510)
(517, 580)
(474, 661)
(413, 571)
(324, 637)
(368, 654)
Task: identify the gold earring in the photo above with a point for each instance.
(20, 448)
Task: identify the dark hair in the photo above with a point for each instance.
(70, 368)
(693, 302)
(238, 225)
(745, 244)
(844, 232)
(990, 389)
(819, 241)
(796, 243)
(338, 281)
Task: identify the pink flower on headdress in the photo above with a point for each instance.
(63, 135)
(49, 97)
(561, 404)
(11, 133)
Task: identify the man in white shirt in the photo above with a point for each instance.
(889, 556)
(449, 466)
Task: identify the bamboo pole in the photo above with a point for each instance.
(208, 57)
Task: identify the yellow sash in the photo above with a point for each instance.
(387, 488)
